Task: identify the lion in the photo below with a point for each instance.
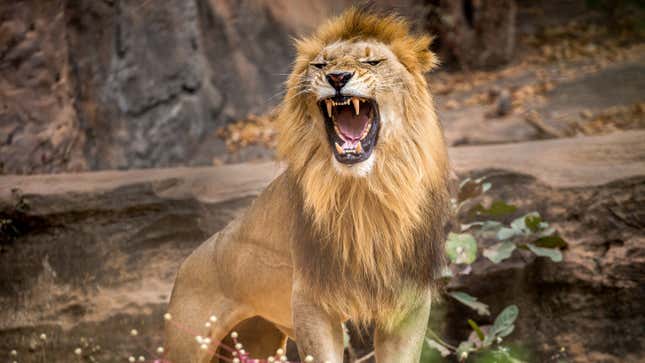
(353, 229)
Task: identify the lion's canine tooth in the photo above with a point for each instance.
(359, 147)
(339, 149)
(328, 102)
(357, 106)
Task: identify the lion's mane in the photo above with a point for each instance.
(383, 232)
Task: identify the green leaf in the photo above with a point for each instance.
(499, 251)
(471, 302)
(553, 241)
(504, 321)
(480, 333)
(504, 332)
(483, 225)
(554, 254)
(461, 248)
(438, 346)
(522, 223)
(546, 230)
(506, 233)
(533, 222)
(497, 209)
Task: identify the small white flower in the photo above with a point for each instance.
(213, 318)
(207, 324)
(204, 346)
(167, 316)
(207, 340)
(464, 355)
(14, 353)
(199, 339)
(309, 358)
(283, 358)
(234, 335)
(160, 350)
(238, 346)
(242, 351)
(78, 351)
(236, 360)
(134, 332)
(142, 358)
(43, 336)
(270, 359)
(279, 351)
(132, 359)
(499, 339)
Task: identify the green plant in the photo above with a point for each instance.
(529, 232)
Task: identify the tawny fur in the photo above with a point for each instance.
(369, 221)
(366, 247)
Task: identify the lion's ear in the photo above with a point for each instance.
(415, 53)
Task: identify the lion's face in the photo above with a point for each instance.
(357, 89)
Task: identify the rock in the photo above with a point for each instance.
(476, 34)
(90, 85)
(93, 85)
(40, 130)
(94, 255)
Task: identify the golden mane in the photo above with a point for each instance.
(372, 223)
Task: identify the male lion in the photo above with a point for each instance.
(354, 228)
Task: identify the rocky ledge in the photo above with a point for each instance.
(85, 258)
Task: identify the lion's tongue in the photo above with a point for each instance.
(351, 126)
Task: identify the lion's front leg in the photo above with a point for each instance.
(317, 333)
(403, 343)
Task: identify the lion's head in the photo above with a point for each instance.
(358, 129)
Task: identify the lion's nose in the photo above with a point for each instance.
(339, 79)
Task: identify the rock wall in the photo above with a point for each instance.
(127, 84)
(122, 84)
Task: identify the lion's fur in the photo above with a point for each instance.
(385, 229)
(363, 246)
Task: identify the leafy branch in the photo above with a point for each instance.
(529, 232)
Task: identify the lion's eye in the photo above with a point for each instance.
(319, 65)
(373, 62)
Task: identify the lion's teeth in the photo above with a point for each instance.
(359, 147)
(328, 102)
(339, 149)
(367, 130)
(357, 107)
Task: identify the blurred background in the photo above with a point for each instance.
(93, 85)
(144, 86)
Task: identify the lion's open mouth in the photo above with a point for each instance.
(352, 126)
